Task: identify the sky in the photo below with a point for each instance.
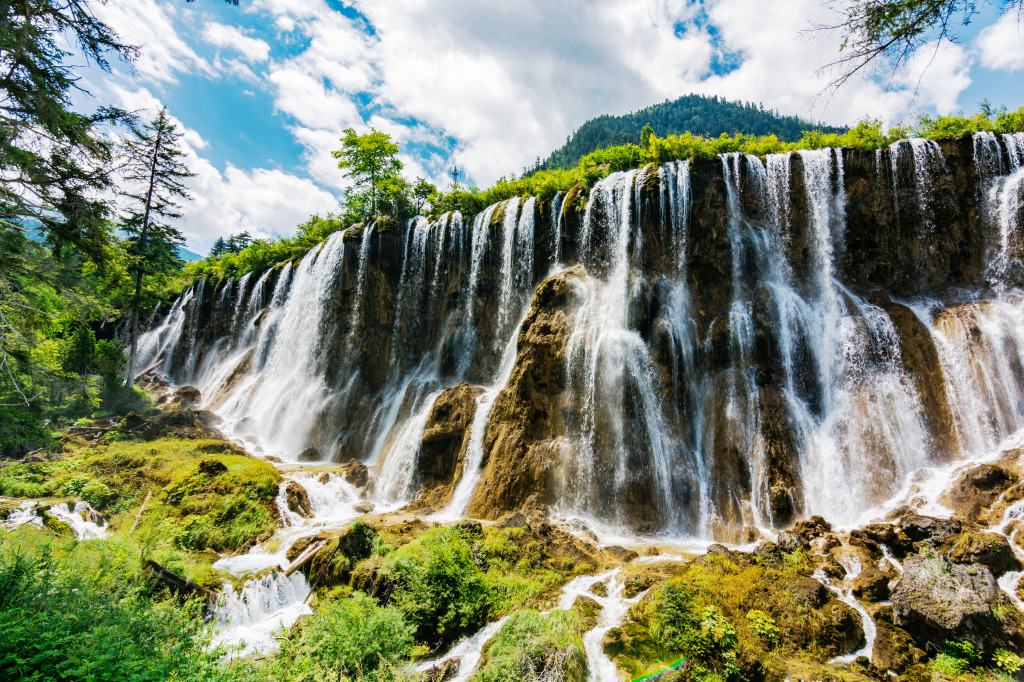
(264, 90)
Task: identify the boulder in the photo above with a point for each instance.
(976, 490)
(444, 671)
(871, 585)
(356, 473)
(927, 529)
(187, 396)
(363, 507)
(789, 541)
(310, 454)
(212, 468)
(894, 649)
(588, 610)
(620, 554)
(444, 443)
(936, 601)
(988, 549)
(298, 500)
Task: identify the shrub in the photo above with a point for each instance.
(533, 646)
(82, 611)
(1007, 661)
(764, 626)
(438, 586)
(21, 432)
(351, 638)
(705, 636)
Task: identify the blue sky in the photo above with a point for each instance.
(264, 90)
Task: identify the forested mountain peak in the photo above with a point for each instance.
(697, 114)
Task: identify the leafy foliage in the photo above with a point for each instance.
(877, 32)
(534, 646)
(83, 611)
(371, 162)
(437, 585)
(351, 638)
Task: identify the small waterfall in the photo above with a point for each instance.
(276, 406)
(246, 621)
(557, 204)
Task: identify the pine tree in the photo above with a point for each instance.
(156, 175)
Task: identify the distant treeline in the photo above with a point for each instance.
(696, 114)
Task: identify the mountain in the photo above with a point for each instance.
(697, 114)
(34, 232)
(188, 256)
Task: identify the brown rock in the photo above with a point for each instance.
(894, 649)
(988, 549)
(871, 585)
(520, 453)
(621, 554)
(363, 507)
(443, 446)
(298, 500)
(976, 490)
(356, 473)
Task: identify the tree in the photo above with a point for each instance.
(155, 173)
(645, 135)
(889, 31)
(421, 192)
(371, 162)
(55, 163)
(219, 248)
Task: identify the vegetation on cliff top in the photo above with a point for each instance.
(544, 184)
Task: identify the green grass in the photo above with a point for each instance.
(194, 505)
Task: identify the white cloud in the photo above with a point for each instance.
(253, 49)
(510, 81)
(264, 202)
(152, 27)
(1001, 45)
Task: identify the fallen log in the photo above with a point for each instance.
(305, 557)
(179, 583)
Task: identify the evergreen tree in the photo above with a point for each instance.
(156, 175)
(219, 248)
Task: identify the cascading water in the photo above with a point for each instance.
(717, 374)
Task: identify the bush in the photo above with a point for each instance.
(438, 586)
(351, 639)
(705, 636)
(764, 626)
(533, 646)
(82, 611)
(21, 432)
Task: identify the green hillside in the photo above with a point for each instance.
(697, 114)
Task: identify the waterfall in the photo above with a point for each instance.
(724, 366)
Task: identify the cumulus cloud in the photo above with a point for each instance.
(153, 27)
(1001, 45)
(499, 84)
(264, 202)
(253, 49)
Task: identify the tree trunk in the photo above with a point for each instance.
(130, 381)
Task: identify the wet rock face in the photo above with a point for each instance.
(444, 443)
(936, 601)
(520, 451)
